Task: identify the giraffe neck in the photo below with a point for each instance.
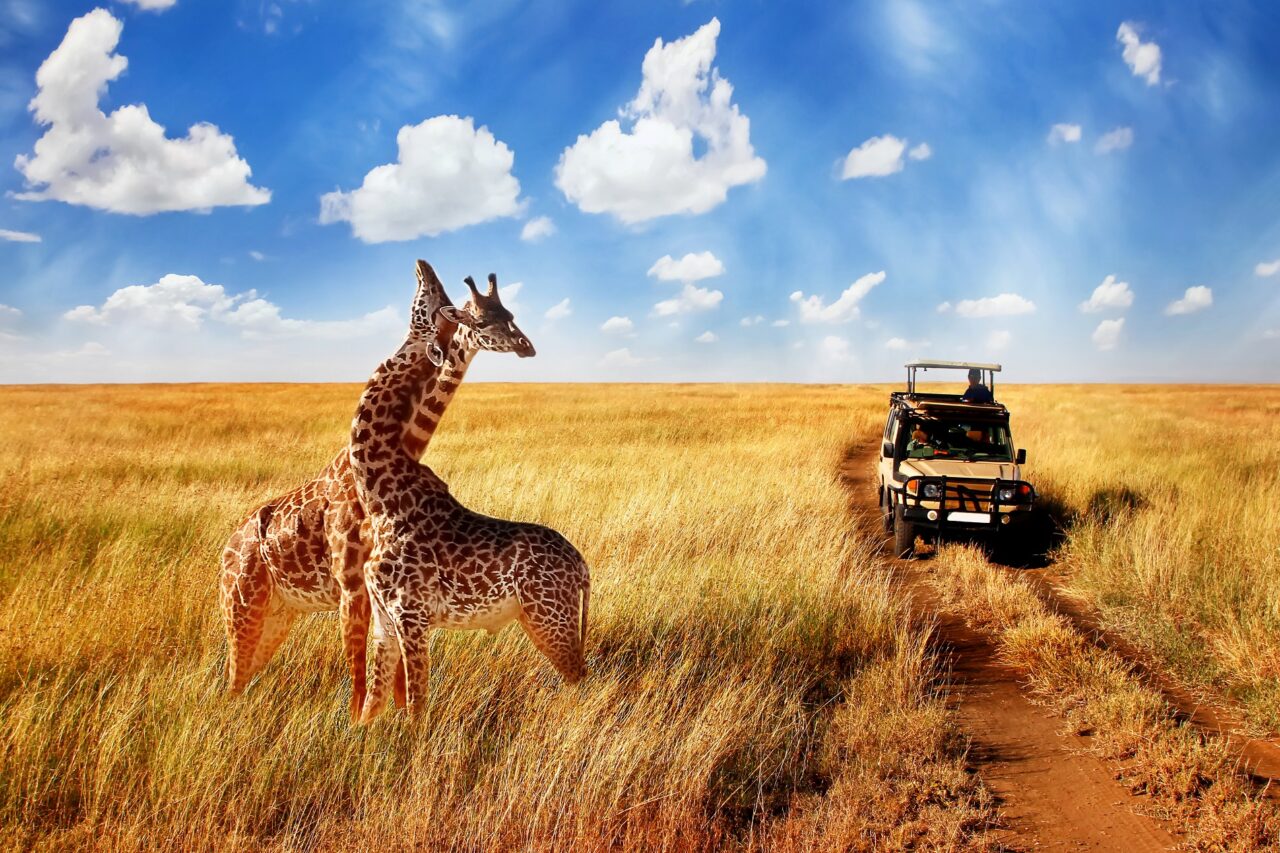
(437, 392)
(378, 452)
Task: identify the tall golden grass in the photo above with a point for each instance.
(1171, 500)
(754, 682)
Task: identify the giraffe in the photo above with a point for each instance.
(304, 551)
(437, 564)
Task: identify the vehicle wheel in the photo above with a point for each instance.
(904, 534)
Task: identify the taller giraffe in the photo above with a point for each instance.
(304, 551)
(436, 564)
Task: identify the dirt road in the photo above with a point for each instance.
(1053, 796)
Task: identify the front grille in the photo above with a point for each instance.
(968, 497)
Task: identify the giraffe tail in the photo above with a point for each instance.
(586, 606)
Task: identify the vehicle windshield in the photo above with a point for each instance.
(959, 440)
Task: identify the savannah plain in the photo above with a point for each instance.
(762, 675)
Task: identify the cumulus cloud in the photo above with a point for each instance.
(121, 162)
(692, 267)
(707, 337)
(618, 326)
(538, 228)
(998, 341)
(1115, 140)
(780, 324)
(1193, 299)
(1003, 305)
(1107, 335)
(814, 310)
(692, 298)
(1064, 133)
(747, 322)
(921, 152)
(186, 303)
(1267, 268)
(449, 174)
(834, 348)
(652, 169)
(559, 311)
(153, 5)
(622, 358)
(1111, 294)
(899, 344)
(877, 157)
(18, 236)
(1143, 58)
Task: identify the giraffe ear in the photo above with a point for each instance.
(435, 355)
(457, 316)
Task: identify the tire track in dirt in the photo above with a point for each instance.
(1053, 796)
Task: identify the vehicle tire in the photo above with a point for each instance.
(904, 534)
(886, 509)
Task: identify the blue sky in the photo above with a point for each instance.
(1083, 191)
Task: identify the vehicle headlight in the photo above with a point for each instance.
(1006, 495)
(932, 490)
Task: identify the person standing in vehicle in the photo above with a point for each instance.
(977, 392)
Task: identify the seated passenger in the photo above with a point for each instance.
(977, 392)
(921, 441)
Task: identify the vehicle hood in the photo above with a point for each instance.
(954, 468)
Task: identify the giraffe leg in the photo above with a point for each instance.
(415, 647)
(386, 660)
(349, 555)
(246, 594)
(276, 623)
(553, 621)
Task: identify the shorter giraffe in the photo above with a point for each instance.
(304, 551)
(437, 564)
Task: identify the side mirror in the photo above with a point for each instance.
(1022, 456)
(887, 450)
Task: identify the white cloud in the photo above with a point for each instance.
(538, 228)
(9, 316)
(622, 358)
(123, 162)
(1107, 335)
(1004, 305)
(256, 255)
(780, 324)
(844, 309)
(944, 307)
(875, 158)
(1064, 133)
(921, 152)
(1194, 299)
(1109, 294)
(652, 170)
(559, 311)
(19, 236)
(747, 322)
(707, 337)
(1143, 58)
(692, 267)
(899, 344)
(1271, 335)
(1116, 140)
(186, 303)
(1267, 268)
(999, 340)
(692, 298)
(834, 348)
(153, 5)
(448, 175)
(618, 326)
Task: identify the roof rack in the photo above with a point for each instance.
(989, 371)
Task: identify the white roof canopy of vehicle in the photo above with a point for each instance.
(953, 365)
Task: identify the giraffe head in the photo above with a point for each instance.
(431, 306)
(492, 325)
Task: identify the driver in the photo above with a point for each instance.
(920, 440)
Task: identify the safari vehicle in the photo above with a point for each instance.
(948, 466)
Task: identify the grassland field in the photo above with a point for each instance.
(755, 681)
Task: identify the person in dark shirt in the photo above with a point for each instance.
(977, 392)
